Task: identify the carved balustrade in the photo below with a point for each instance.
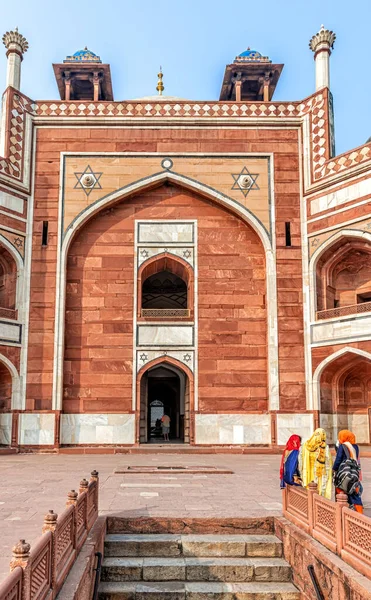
(343, 311)
(340, 529)
(39, 573)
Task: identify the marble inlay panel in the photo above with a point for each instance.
(360, 426)
(165, 232)
(186, 253)
(332, 424)
(186, 357)
(339, 329)
(165, 335)
(97, 429)
(36, 429)
(233, 429)
(345, 194)
(11, 202)
(10, 332)
(5, 428)
(290, 424)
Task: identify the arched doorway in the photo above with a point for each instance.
(164, 389)
(345, 396)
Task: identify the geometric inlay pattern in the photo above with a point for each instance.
(88, 180)
(245, 181)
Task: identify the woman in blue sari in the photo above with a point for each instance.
(289, 471)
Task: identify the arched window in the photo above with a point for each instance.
(165, 288)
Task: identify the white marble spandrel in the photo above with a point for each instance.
(9, 332)
(36, 429)
(98, 429)
(5, 429)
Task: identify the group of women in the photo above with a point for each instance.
(303, 463)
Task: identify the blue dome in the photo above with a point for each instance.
(84, 52)
(84, 55)
(250, 54)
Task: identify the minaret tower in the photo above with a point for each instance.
(322, 44)
(16, 45)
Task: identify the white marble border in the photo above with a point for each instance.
(232, 429)
(36, 429)
(6, 428)
(165, 350)
(98, 428)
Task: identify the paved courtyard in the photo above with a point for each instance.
(33, 484)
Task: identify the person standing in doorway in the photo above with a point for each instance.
(165, 420)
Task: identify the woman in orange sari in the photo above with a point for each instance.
(349, 449)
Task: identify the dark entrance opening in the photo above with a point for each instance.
(164, 390)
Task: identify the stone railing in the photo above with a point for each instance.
(165, 312)
(340, 529)
(39, 573)
(8, 313)
(343, 311)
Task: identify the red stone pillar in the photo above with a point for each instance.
(15, 424)
(341, 502)
(238, 86)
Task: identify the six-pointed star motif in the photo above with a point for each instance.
(245, 181)
(88, 180)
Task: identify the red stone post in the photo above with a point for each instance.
(21, 556)
(50, 522)
(341, 502)
(312, 489)
(84, 484)
(71, 498)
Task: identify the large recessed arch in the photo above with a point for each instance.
(344, 234)
(140, 186)
(16, 388)
(320, 368)
(20, 270)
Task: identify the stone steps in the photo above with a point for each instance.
(197, 591)
(195, 567)
(121, 545)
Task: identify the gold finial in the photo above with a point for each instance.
(160, 86)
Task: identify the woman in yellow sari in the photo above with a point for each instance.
(315, 463)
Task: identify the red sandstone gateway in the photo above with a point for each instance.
(204, 260)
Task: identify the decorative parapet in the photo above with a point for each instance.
(40, 571)
(340, 529)
(15, 165)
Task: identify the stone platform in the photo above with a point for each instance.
(32, 484)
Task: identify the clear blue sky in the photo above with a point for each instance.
(193, 40)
